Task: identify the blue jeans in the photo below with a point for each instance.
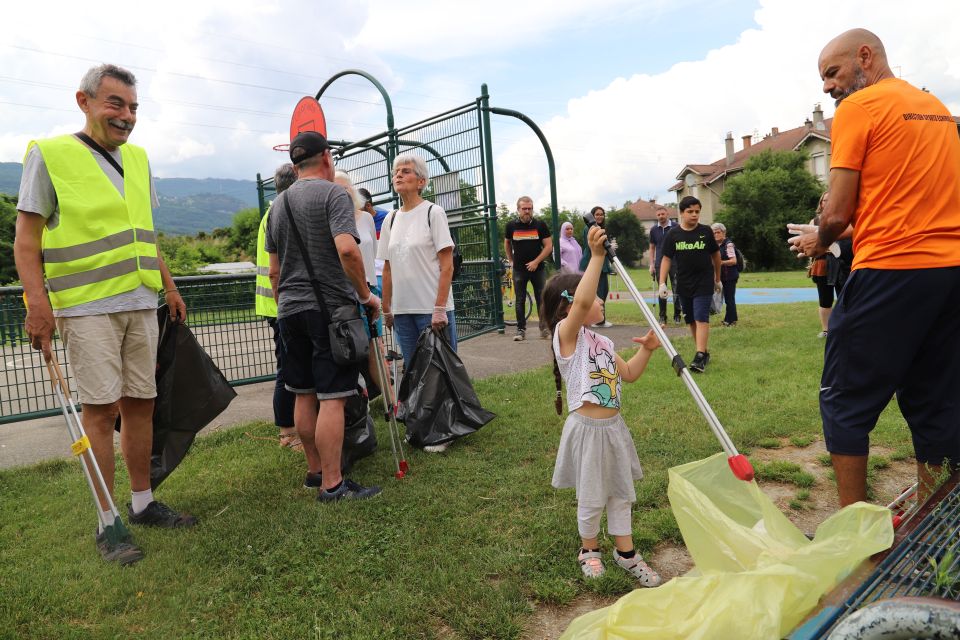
(407, 327)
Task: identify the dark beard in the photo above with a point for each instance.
(859, 82)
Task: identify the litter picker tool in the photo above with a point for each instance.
(113, 526)
(389, 396)
(738, 462)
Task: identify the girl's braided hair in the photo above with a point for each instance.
(555, 308)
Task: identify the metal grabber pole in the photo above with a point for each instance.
(738, 462)
(388, 393)
(113, 526)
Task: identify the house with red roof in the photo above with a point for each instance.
(706, 181)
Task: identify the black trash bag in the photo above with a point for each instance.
(191, 392)
(437, 401)
(359, 436)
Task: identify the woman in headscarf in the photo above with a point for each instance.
(570, 250)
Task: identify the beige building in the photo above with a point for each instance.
(707, 181)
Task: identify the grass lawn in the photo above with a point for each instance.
(464, 547)
(748, 279)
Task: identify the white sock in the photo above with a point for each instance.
(105, 516)
(140, 500)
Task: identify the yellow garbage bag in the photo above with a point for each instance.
(756, 574)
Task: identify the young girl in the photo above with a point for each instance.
(597, 455)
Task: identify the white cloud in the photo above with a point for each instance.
(632, 137)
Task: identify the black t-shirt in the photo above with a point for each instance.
(526, 240)
(692, 252)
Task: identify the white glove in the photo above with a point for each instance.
(439, 318)
(663, 290)
(373, 306)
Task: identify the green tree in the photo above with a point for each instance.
(773, 189)
(631, 237)
(8, 225)
(243, 232)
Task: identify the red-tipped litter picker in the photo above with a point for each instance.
(389, 395)
(738, 462)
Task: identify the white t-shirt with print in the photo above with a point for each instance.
(410, 245)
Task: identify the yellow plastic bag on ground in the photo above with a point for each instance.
(758, 574)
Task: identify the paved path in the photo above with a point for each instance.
(24, 443)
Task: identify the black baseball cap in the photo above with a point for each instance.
(307, 144)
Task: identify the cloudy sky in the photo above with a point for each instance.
(626, 91)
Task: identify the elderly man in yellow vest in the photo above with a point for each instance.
(283, 399)
(86, 253)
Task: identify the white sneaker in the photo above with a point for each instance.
(437, 448)
(822, 334)
(639, 569)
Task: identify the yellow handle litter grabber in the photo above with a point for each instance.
(113, 526)
(738, 462)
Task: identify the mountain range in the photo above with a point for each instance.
(187, 205)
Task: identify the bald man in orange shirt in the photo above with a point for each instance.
(895, 176)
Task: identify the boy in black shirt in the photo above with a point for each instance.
(693, 247)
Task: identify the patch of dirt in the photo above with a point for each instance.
(887, 483)
(548, 621)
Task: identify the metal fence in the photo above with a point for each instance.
(220, 313)
(452, 145)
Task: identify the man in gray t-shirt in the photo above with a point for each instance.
(323, 215)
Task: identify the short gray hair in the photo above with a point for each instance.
(283, 177)
(524, 199)
(90, 83)
(718, 226)
(343, 175)
(419, 165)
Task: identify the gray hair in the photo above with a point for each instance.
(283, 177)
(524, 199)
(343, 175)
(718, 226)
(90, 83)
(419, 165)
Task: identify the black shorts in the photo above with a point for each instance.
(894, 332)
(308, 365)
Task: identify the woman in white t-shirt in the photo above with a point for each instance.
(417, 251)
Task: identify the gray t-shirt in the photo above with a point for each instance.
(321, 210)
(37, 195)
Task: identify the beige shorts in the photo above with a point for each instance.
(112, 355)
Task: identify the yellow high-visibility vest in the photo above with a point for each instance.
(104, 243)
(266, 305)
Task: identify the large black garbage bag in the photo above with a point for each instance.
(191, 392)
(437, 401)
(359, 437)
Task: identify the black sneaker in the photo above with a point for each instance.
(158, 514)
(123, 552)
(706, 358)
(313, 481)
(699, 362)
(349, 490)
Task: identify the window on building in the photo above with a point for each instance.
(820, 166)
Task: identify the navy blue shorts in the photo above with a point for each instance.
(308, 365)
(894, 333)
(695, 308)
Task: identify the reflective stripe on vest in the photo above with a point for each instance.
(265, 304)
(104, 243)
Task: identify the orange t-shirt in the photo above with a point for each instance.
(905, 145)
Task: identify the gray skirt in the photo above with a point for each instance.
(598, 458)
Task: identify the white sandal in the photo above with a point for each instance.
(591, 564)
(639, 569)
